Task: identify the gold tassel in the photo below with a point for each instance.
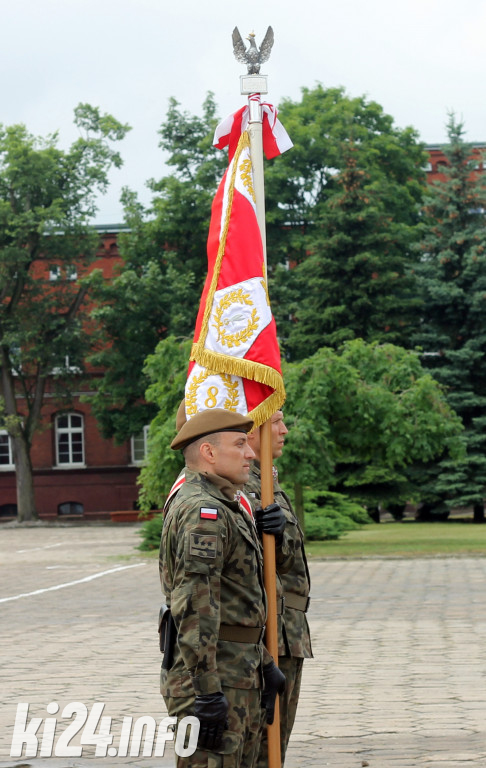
(237, 366)
(264, 411)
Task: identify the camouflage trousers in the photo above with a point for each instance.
(292, 669)
(241, 740)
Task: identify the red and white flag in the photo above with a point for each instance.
(274, 136)
(235, 358)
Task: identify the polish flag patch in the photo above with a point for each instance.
(208, 513)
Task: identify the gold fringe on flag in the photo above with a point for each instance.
(221, 363)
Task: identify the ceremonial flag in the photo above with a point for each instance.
(274, 136)
(235, 357)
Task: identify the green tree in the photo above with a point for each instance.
(167, 372)
(342, 206)
(158, 288)
(452, 334)
(360, 419)
(47, 197)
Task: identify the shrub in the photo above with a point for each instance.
(151, 532)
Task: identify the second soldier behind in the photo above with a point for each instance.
(293, 582)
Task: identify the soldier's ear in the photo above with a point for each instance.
(207, 452)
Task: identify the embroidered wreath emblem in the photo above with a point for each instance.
(221, 323)
(231, 402)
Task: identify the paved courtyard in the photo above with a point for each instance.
(398, 679)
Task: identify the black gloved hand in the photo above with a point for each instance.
(274, 681)
(211, 709)
(271, 520)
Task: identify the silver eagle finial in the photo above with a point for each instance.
(253, 57)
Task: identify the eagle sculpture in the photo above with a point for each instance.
(252, 57)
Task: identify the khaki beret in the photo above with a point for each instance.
(207, 423)
(181, 415)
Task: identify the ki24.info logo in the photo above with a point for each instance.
(93, 729)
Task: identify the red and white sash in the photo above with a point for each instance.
(243, 501)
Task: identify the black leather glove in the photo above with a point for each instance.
(211, 709)
(274, 681)
(271, 520)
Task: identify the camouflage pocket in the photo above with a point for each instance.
(202, 551)
(229, 756)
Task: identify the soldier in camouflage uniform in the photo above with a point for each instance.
(294, 581)
(212, 578)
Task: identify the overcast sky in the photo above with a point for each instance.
(417, 58)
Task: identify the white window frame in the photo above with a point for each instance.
(70, 431)
(54, 272)
(140, 437)
(7, 467)
(71, 272)
(67, 368)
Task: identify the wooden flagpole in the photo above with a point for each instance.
(266, 457)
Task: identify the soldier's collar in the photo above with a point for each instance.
(222, 484)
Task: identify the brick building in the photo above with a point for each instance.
(76, 471)
(437, 160)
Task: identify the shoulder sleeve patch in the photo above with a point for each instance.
(203, 545)
(208, 513)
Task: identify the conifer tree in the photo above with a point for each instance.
(343, 208)
(452, 278)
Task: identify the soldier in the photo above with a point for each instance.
(214, 658)
(293, 575)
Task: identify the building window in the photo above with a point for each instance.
(139, 446)
(8, 510)
(68, 367)
(70, 440)
(54, 272)
(70, 508)
(71, 272)
(6, 455)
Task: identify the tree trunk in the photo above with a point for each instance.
(478, 513)
(374, 513)
(25, 480)
(299, 504)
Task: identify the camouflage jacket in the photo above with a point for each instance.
(294, 637)
(211, 575)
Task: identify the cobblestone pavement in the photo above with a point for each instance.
(398, 678)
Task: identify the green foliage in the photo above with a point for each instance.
(361, 419)
(328, 514)
(167, 370)
(452, 278)
(343, 206)
(151, 531)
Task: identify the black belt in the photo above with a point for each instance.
(237, 634)
(298, 602)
